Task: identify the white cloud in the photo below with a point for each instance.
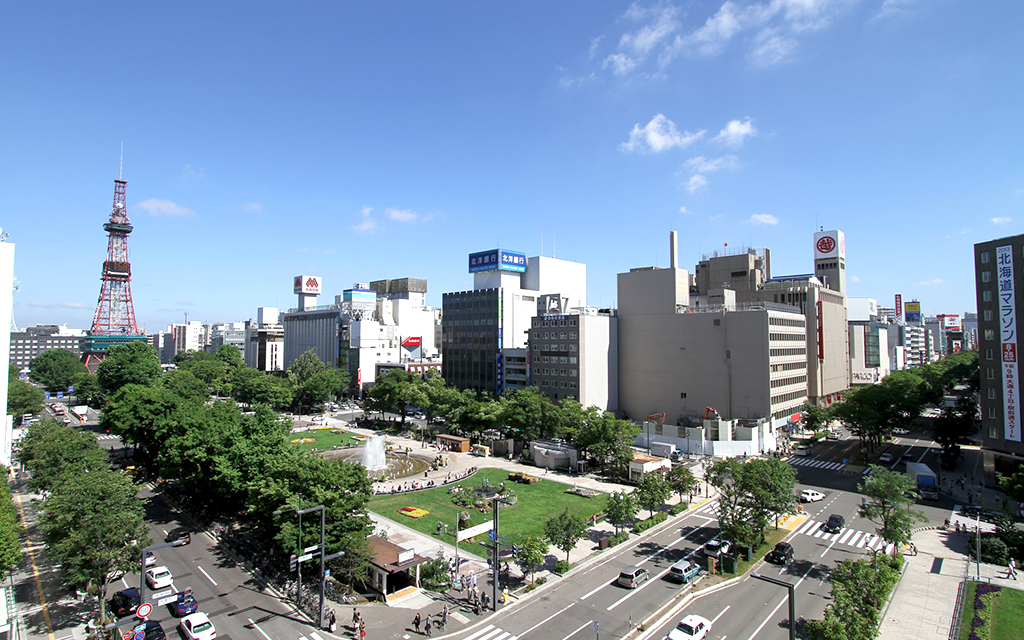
(620, 63)
(930, 283)
(594, 44)
(683, 210)
(716, 32)
(894, 7)
(73, 305)
(157, 207)
(771, 48)
(406, 215)
(641, 41)
(854, 278)
(43, 305)
(660, 134)
(764, 218)
(700, 164)
(734, 133)
(368, 224)
(696, 183)
(252, 207)
(331, 250)
(189, 172)
(1002, 220)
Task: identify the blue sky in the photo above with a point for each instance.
(362, 141)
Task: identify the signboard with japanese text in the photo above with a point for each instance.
(1008, 341)
(829, 244)
(950, 322)
(497, 260)
(913, 311)
(412, 341)
(899, 306)
(308, 285)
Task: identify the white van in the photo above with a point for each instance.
(803, 450)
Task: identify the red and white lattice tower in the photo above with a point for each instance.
(115, 315)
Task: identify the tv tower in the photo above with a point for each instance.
(114, 321)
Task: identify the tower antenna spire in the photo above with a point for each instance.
(120, 168)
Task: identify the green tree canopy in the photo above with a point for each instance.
(816, 417)
(87, 390)
(184, 384)
(313, 382)
(10, 532)
(565, 530)
(530, 554)
(23, 398)
(53, 451)
(890, 496)
(135, 362)
(621, 509)
(750, 494)
(682, 481)
(653, 491)
(56, 369)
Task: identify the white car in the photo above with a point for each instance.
(810, 495)
(900, 432)
(885, 458)
(150, 559)
(690, 628)
(159, 577)
(197, 626)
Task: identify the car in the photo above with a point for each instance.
(179, 536)
(683, 571)
(184, 604)
(834, 434)
(716, 547)
(810, 495)
(900, 432)
(781, 554)
(150, 559)
(907, 455)
(885, 458)
(803, 450)
(159, 577)
(197, 626)
(690, 628)
(633, 577)
(125, 602)
(154, 631)
(834, 524)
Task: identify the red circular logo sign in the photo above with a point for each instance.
(144, 610)
(826, 244)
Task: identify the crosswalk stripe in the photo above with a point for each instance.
(806, 527)
(837, 465)
(480, 633)
(845, 536)
(315, 635)
(820, 533)
(853, 540)
(889, 548)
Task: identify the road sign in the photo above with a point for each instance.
(46, 395)
(327, 573)
(845, 461)
(168, 600)
(315, 547)
(305, 556)
(139, 627)
(144, 610)
(71, 389)
(597, 627)
(60, 395)
(139, 635)
(490, 534)
(162, 594)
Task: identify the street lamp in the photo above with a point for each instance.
(323, 558)
(792, 600)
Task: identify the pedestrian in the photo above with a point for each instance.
(333, 622)
(355, 619)
(945, 525)
(1013, 569)
(427, 625)
(957, 528)
(416, 622)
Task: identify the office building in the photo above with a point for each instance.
(26, 345)
(264, 344)
(869, 341)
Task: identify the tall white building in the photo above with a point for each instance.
(264, 343)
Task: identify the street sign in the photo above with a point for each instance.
(315, 547)
(139, 635)
(46, 395)
(597, 627)
(845, 461)
(490, 534)
(71, 389)
(306, 556)
(60, 395)
(168, 600)
(139, 627)
(161, 594)
(144, 610)
(502, 538)
(327, 573)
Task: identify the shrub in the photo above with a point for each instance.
(562, 567)
(644, 525)
(541, 580)
(679, 508)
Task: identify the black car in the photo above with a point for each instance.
(154, 631)
(986, 515)
(835, 523)
(781, 554)
(124, 603)
(179, 536)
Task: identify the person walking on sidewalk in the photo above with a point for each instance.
(1012, 573)
(416, 622)
(429, 623)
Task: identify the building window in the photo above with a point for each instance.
(992, 415)
(561, 347)
(990, 373)
(561, 335)
(572, 323)
(536, 335)
(987, 315)
(545, 371)
(991, 393)
(563, 360)
(572, 347)
(561, 323)
(572, 335)
(545, 335)
(986, 296)
(989, 354)
(682, 396)
(986, 276)
(572, 359)
(984, 257)
(990, 334)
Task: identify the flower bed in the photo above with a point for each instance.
(981, 624)
(580, 491)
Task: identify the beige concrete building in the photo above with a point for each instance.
(576, 356)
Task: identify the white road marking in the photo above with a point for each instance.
(720, 614)
(207, 575)
(257, 627)
(853, 540)
(582, 627)
(807, 527)
(845, 536)
(835, 539)
(539, 623)
(778, 606)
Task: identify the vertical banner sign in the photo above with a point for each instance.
(1008, 340)
(899, 307)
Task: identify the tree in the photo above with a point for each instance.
(653, 491)
(606, 439)
(953, 427)
(10, 532)
(56, 369)
(87, 390)
(53, 451)
(769, 485)
(184, 384)
(144, 416)
(621, 509)
(23, 398)
(135, 362)
(683, 482)
(313, 383)
(816, 417)
(230, 356)
(565, 530)
(397, 389)
(889, 498)
(735, 515)
(93, 525)
(529, 414)
(251, 387)
(1013, 484)
(858, 594)
(530, 554)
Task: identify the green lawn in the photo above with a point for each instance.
(537, 502)
(1007, 615)
(968, 611)
(324, 438)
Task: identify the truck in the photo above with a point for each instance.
(924, 479)
(663, 449)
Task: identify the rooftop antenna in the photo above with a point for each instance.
(120, 169)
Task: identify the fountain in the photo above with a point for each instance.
(373, 457)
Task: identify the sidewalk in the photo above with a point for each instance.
(924, 602)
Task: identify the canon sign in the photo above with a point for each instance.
(307, 285)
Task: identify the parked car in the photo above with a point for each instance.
(690, 628)
(197, 626)
(184, 605)
(150, 559)
(179, 537)
(154, 631)
(907, 455)
(810, 495)
(125, 602)
(633, 577)
(781, 554)
(159, 577)
(885, 458)
(834, 524)
(716, 547)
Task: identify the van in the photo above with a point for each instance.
(683, 571)
(803, 450)
(633, 577)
